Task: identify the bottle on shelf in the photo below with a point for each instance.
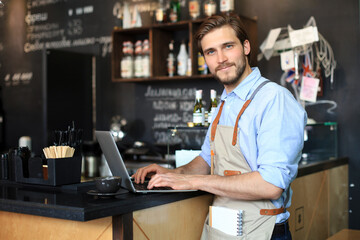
(202, 67)
(119, 20)
(146, 58)
(198, 113)
(127, 70)
(160, 13)
(182, 59)
(209, 8)
(123, 63)
(174, 14)
(227, 6)
(212, 105)
(126, 16)
(194, 9)
(188, 67)
(171, 60)
(189, 63)
(138, 68)
(136, 18)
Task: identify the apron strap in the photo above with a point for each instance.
(216, 121)
(246, 104)
(276, 211)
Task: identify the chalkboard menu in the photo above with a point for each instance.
(171, 107)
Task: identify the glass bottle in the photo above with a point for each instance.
(174, 11)
(201, 64)
(130, 57)
(127, 70)
(138, 62)
(119, 20)
(160, 13)
(189, 63)
(123, 63)
(198, 109)
(194, 9)
(171, 60)
(226, 6)
(209, 8)
(212, 105)
(182, 60)
(146, 58)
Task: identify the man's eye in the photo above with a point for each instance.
(210, 52)
(229, 46)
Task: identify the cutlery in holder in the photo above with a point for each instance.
(55, 171)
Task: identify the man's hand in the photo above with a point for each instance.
(149, 171)
(173, 180)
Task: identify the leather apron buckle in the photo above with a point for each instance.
(231, 172)
(272, 212)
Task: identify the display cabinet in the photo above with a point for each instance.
(159, 36)
(184, 143)
(320, 142)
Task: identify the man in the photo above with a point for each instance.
(254, 144)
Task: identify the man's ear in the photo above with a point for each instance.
(247, 47)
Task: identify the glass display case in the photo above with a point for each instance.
(320, 142)
(184, 143)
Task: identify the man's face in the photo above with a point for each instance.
(224, 55)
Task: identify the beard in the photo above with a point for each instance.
(239, 70)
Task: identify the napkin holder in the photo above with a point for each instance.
(56, 171)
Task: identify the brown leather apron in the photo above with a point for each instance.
(227, 159)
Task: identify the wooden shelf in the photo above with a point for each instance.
(163, 78)
(159, 36)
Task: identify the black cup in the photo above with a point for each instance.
(108, 184)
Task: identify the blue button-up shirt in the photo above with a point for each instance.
(271, 135)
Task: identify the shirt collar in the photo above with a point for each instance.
(244, 88)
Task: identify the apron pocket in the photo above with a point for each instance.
(210, 233)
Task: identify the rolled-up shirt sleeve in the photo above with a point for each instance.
(280, 139)
(205, 148)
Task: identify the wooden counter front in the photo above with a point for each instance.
(178, 220)
(319, 206)
(18, 226)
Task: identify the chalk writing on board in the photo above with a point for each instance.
(45, 30)
(41, 3)
(18, 78)
(164, 105)
(171, 107)
(177, 93)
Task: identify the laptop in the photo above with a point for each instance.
(118, 168)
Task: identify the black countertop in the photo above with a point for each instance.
(73, 203)
(308, 167)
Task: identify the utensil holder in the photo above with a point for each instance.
(60, 171)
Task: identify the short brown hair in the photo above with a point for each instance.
(218, 21)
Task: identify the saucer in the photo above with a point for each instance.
(97, 193)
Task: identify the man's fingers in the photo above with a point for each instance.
(144, 172)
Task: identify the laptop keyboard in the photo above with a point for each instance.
(143, 186)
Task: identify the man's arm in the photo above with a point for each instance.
(196, 166)
(194, 175)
